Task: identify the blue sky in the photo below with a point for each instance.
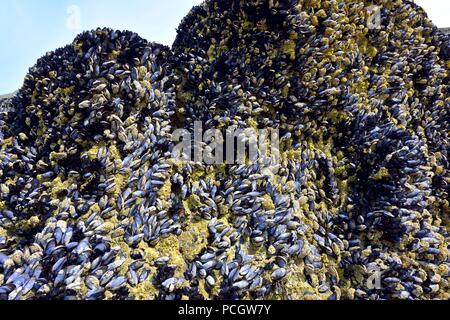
(30, 28)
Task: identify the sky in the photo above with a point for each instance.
(30, 28)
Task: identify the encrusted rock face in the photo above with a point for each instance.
(364, 110)
(93, 205)
(84, 158)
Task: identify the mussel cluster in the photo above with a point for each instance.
(93, 205)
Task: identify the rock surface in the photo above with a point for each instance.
(94, 206)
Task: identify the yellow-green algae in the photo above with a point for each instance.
(193, 238)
